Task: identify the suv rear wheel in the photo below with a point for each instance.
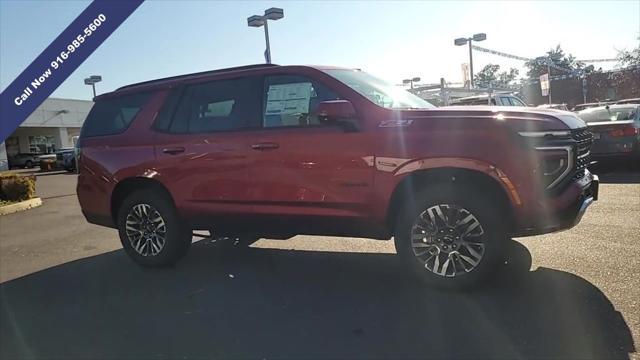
(150, 230)
(451, 237)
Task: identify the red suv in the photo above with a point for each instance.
(275, 151)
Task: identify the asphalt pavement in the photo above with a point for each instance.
(67, 290)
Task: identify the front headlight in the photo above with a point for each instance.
(554, 164)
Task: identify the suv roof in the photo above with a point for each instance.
(196, 75)
(148, 85)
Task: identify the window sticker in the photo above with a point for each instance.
(286, 99)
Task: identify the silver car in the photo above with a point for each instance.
(23, 160)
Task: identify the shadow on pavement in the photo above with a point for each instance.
(267, 303)
(616, 172)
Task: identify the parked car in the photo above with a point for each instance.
(23, 160)
(69, 162)
(41, 157)
(496, 99)
(581, 107)
(554, 106)
(63, 158)
(275, 151)
(628, 101)
(616, 131)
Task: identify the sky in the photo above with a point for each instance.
(393, 40)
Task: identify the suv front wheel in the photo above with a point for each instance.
(451, 237)
(150, 229)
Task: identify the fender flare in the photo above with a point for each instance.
(466, 164)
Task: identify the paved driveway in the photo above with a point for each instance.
(68, 291)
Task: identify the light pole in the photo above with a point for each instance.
(462, 41)
(258, 21)
(411, 81)
(92, 80)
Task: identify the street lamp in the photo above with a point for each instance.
(258, 21)
(92, 80)
(411, 81)
(463, 41)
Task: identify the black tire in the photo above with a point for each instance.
(474, 201)
(176, 235)
(28, 164)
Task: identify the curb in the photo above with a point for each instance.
(21, 206)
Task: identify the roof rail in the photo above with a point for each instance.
(209, 72)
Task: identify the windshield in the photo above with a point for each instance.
(611, 114)
(379, 91)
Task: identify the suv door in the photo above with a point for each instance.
(201, 146)
(298, 165)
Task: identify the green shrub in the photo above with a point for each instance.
(14, 187)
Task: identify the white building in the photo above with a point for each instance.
(52, 126)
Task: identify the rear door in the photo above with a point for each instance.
(299, 166)
(202, 148)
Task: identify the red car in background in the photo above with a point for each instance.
(275, 151)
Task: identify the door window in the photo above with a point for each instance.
(223, 105)
(517, 102)
(292, 100)
(504, 101)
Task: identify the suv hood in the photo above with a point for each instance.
(519, 118)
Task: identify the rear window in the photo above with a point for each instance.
(113, 115)
(612, 114)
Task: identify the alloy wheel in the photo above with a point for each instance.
(448, 240)
(146, 230)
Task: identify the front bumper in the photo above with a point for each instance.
(591, 196)
(570, 216)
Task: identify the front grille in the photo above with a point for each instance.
(583, 139)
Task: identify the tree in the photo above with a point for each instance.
(627, 82)
(490, 75)
(629, 58)
(558, 58)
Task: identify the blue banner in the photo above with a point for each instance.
(60, 59)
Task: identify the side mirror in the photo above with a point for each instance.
(339, 112)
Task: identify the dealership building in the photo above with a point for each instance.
(54, 125)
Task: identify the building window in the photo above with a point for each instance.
(12, 145)
(42, 144)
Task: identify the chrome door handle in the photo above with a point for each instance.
(173, 150)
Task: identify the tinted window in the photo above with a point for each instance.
(113, 115)
(163, 120)
(291, 100)
(506, 101)
(218, 106)
(611, 114)
(517, 102)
